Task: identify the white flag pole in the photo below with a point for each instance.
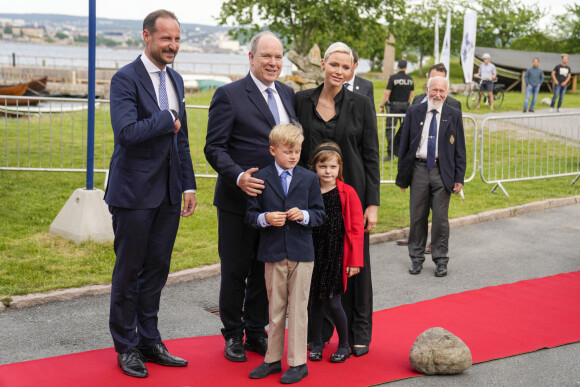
(436, 43)
(446, 50)
(468, 44)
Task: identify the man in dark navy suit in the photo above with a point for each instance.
(150, 170)
(432, 160)
(241, 116)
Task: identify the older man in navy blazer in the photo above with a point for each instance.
(241, 116)
(150, 170)
(432, 161)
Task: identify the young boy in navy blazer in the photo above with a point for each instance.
(289, 206)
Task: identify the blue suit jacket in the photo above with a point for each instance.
(238, 127)
(293, 240)
(450, 145)
(148, 157)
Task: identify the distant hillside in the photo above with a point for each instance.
(102, 23)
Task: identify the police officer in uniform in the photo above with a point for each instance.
(399, 93)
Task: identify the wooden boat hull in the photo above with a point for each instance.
(18, 91)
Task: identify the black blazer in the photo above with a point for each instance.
(293, 240)
(238, 127)
(140, 172)
(450, 100)
(356, 134)
(450, 145)
(365, 87)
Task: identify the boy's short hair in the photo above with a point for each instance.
(287, 134)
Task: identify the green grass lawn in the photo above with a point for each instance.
(31, 260)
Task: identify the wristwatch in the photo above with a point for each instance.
(175, 115)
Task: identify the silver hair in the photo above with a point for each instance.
(431, 79)
(338, 47)
(258, 36)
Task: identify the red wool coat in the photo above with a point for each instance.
(352, 215)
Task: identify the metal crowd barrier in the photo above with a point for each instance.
(50, 135)
(529, 146)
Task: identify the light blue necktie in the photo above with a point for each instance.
(163, 100)
(273, 105)
(432, 141)
(284, 182)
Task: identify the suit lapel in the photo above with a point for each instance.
(443, 124)
(273, 180)
(297, 178)
(287, 101)
(178, 88)
(145, 79)
(343, 116)
(418, 121)
(258, 99)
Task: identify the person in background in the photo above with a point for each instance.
(241, 116)
(285, 212)
(399, 94)
(150, 171)
(437, 70)
(561, 76)
(360, 85)
(487, 73)
(432, 160)
(534, 78)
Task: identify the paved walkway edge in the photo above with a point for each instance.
(214, 270)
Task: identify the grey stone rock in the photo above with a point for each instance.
(439, 352)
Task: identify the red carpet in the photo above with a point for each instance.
(494, 322)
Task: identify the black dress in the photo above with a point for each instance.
(328, 251)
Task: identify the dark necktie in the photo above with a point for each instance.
(273, 105)
(346, 84)
(284, 182)
(163, 100)
(432, 141)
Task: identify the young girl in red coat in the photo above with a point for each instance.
(338, 249)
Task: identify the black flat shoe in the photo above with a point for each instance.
(315, 354)
(294, 374)
(441, 270)
(259, 345)
(415, 268)
(159, 354)
(340, 357)
(360, 351)
(234, 349)
(132, 363)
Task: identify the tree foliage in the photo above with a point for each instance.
(499, 22)
(569, 25)
(302, 23)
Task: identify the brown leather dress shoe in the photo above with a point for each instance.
(132, 363)
(428, 249)
(403, 242)
(159, 354)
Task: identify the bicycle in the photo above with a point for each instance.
(473, 96)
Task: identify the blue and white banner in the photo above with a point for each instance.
(436, 43)
(446, 50)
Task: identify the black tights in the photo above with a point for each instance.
(317, 308)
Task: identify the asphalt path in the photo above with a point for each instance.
(528, 246)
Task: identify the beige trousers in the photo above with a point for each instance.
(288, 287)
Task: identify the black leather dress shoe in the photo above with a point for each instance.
(132, 363)
(341, 356)
(360, 351)
(441, 270)
(159, 354)
(294, 374)
(266, 369)
(234, 350)
(415, 268)
(259, 345)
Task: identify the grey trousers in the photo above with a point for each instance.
(428, 193)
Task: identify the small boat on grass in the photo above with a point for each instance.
(18, 90)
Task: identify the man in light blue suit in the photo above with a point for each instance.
(150, 170)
